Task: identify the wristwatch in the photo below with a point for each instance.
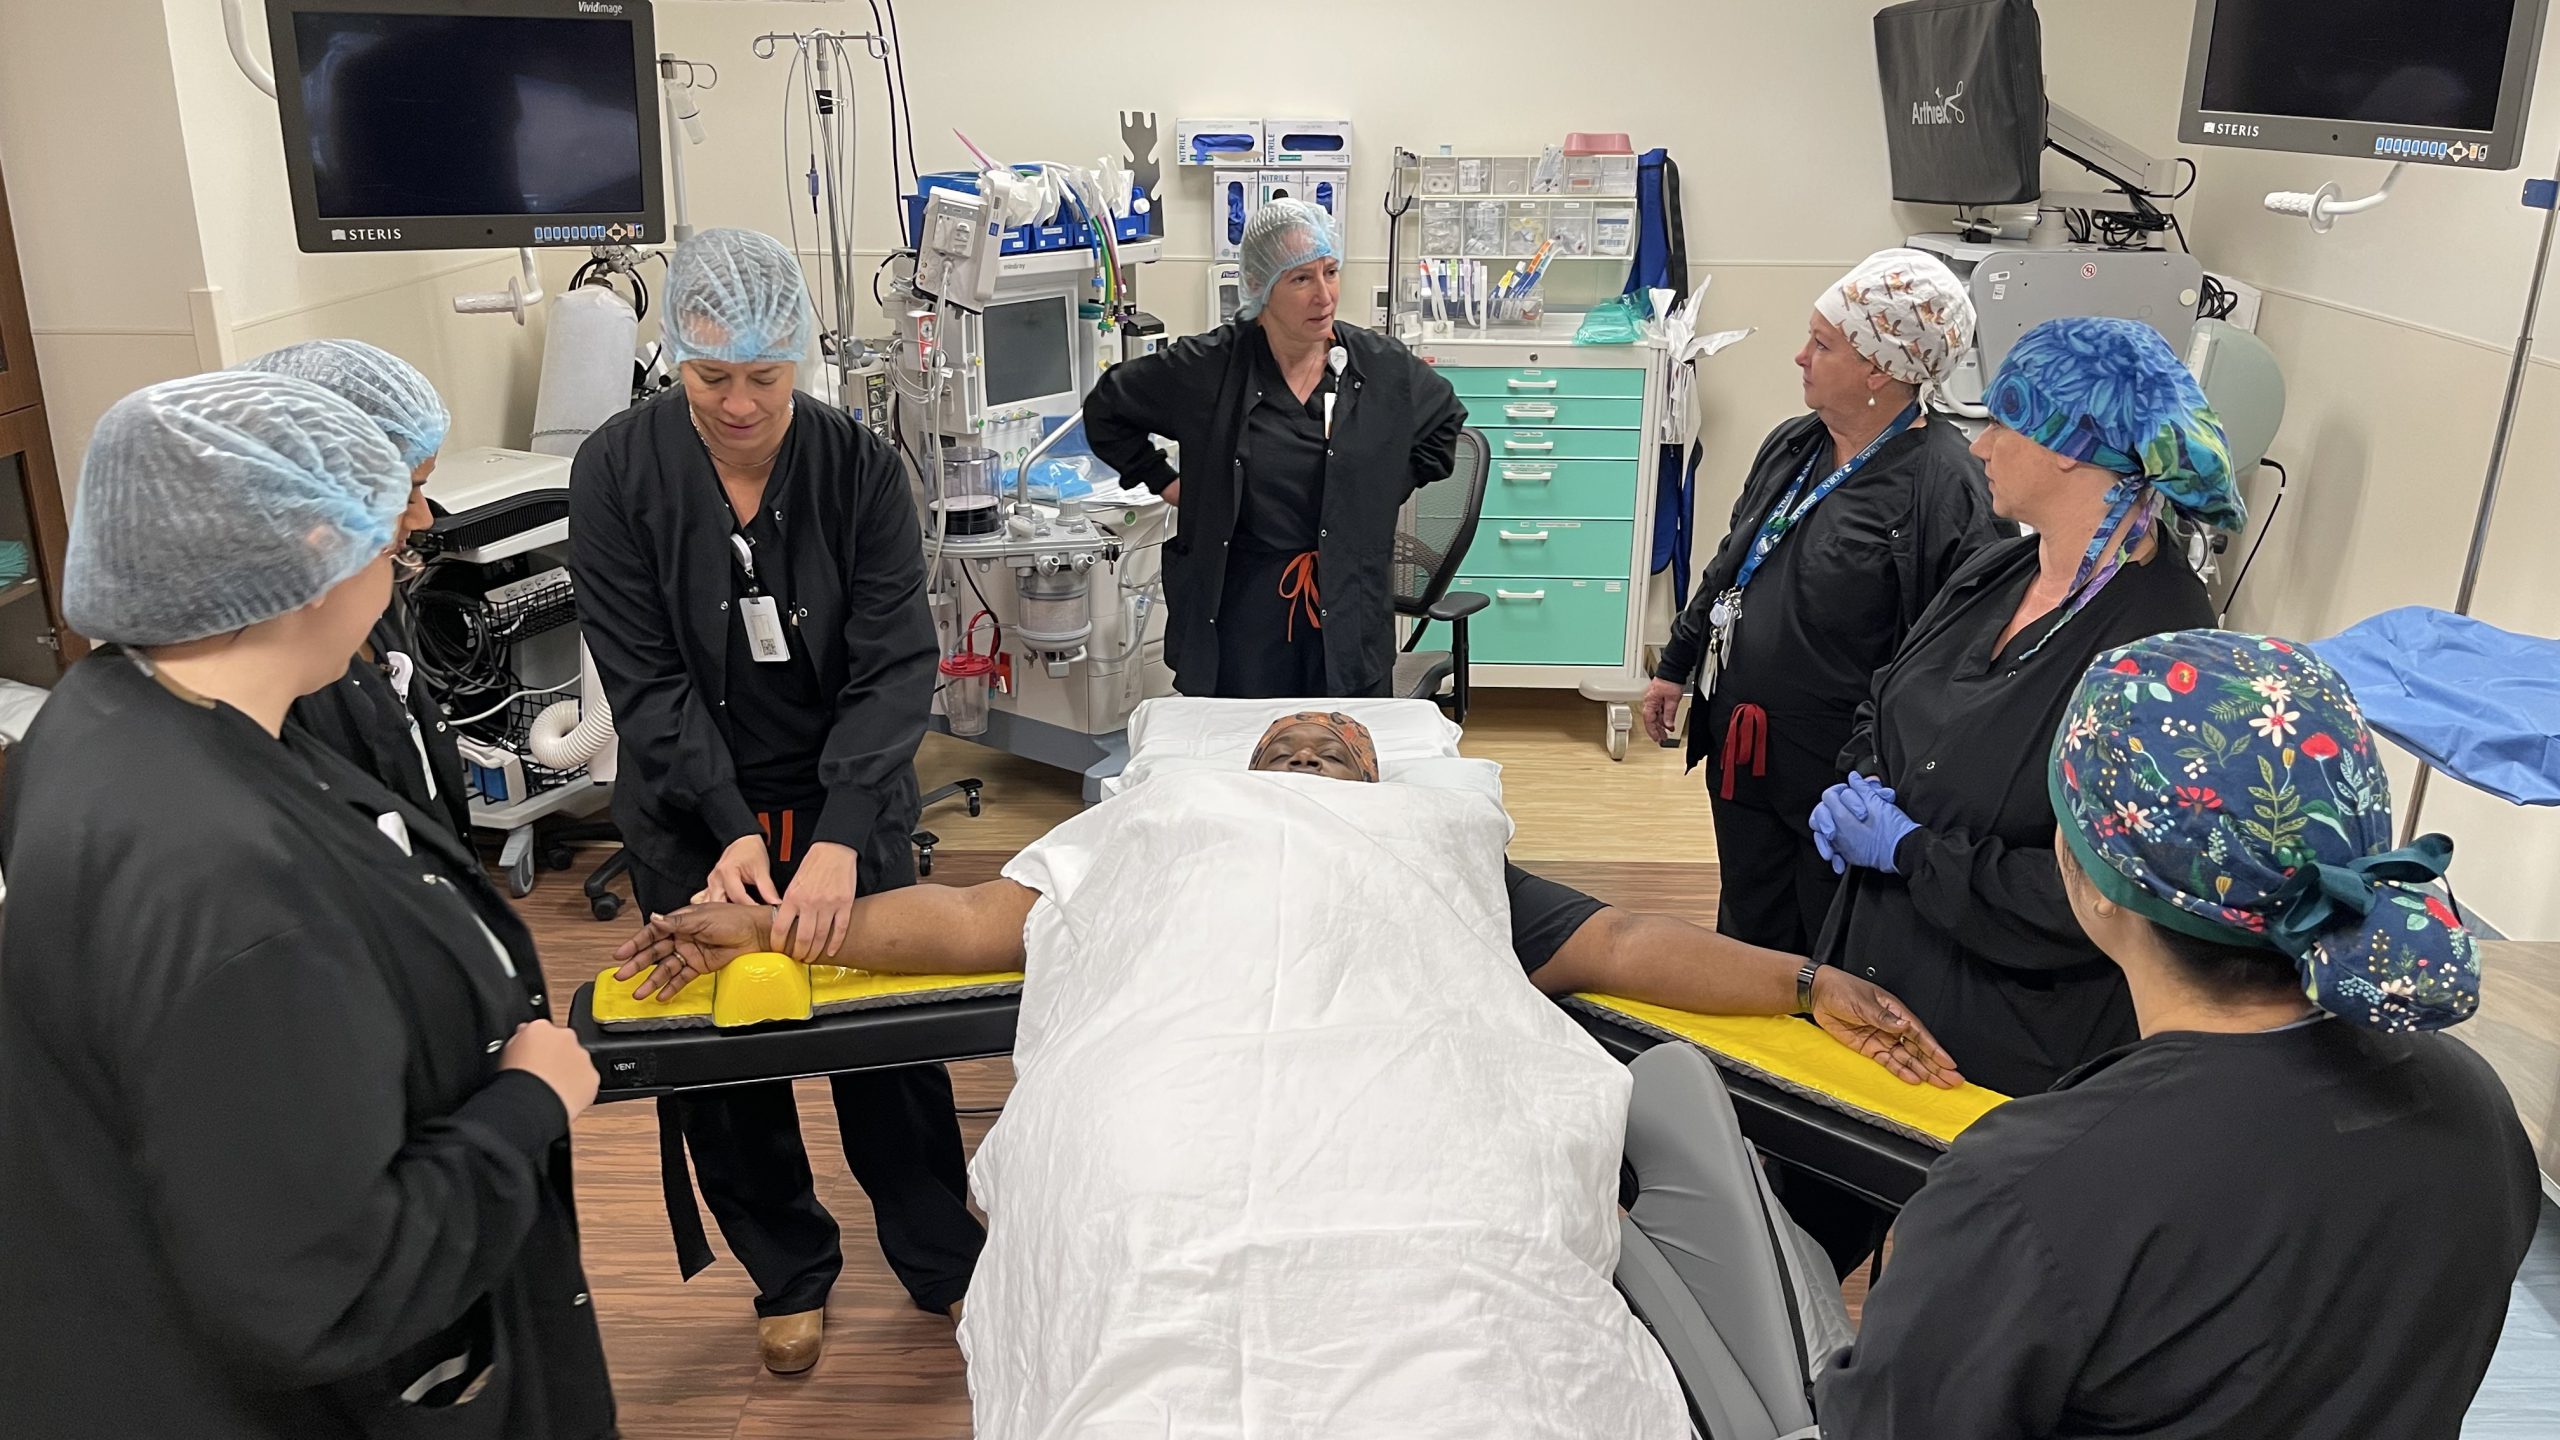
(1804, 987)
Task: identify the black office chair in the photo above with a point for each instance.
(1432, 537)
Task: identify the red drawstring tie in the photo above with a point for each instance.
(1745, 735)
(1298, 586)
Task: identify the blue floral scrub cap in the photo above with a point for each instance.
(2225, 786)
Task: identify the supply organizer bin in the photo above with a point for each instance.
(1067, 234)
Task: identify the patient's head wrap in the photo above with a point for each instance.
(213, 503)
(376, 382)
(1355, 736)
(2112, 394)
(736, 297)
(2224, 786)
(1280, 237)
(1906, 312)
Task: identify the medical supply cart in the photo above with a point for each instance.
(1565, 545)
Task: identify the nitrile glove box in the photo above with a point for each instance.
(1222, 142)
(1323, 144)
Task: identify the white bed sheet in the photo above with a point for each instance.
(1294, 1149)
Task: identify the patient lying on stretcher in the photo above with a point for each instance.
(1291, 1150)
(1566, 942)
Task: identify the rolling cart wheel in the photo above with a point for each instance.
(605, 907)
(558, 857)
(973, 805)
(1617, 744)
(520, 876)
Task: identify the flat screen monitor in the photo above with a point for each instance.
(468, 124)
(2436, 82)
(1030, 350)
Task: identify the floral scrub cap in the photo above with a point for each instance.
(2112, 394)
(2225, 786)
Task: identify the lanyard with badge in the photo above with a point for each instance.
(765, 640)
(1789, 513)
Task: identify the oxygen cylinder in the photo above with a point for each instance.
(586, 368)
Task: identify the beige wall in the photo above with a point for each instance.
(105, 224)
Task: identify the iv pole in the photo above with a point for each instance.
(2539, 194)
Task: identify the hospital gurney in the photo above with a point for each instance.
(1801, 1096)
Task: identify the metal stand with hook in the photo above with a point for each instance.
(2545, 195)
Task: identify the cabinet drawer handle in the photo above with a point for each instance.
(1519, 594)
(1535, 538)
(1529, 410)
(1519, 384)
(1539, 446)
(1540, 475)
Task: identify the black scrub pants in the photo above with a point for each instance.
(901, 1139)
(1270, 647)
(1776, 888)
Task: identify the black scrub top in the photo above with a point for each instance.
(263, 1173)
(658, 585)
(777, 718)
(2292, 1235)
(1975, 933)
(1831, 604)
(1395, 427)
(404, 742)
(1283, 455)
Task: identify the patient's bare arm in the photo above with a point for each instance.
(1672, 963)
(919, 930)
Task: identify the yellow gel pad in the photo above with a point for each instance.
(754, 989)
(841, 986)
(614, 1004)
(1806, 1059)
(764, 995)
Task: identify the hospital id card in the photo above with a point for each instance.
(765, 639)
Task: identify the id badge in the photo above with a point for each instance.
(765, 639)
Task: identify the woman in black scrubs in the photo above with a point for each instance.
(286, 1120)
(380, 715)
(2286, 1211)
(751, 579)
(1952, 901)
(1853, 518)
(1301, 440)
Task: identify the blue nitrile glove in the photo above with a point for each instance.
(1824, 829)
(1865, 826)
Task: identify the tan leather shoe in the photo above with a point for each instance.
(792, 1343)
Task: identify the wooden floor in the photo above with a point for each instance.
(684, 1355)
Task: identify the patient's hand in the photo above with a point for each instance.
(1872, 1022)
(694, 941)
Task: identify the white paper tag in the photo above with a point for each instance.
(397, 829)
(764, 630)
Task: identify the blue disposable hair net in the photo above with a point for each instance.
(736, 297)
(376, 382)
(213, 503)
(1280, 237)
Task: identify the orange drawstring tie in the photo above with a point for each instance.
(1298, 585)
